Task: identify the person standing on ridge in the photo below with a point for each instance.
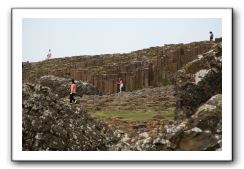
(72, 91)
(49, 55)
(211, 35)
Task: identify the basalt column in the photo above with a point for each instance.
(146, 77)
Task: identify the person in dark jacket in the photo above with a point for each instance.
(211, 35)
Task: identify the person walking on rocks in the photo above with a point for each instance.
(211, 35)
(121, 85)
(72, 91)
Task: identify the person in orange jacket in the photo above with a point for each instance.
(73, 88)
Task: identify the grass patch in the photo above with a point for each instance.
(132, 115)
(169, 115)
(126, 115)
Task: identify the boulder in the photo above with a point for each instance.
(197, 140)
(208, 115)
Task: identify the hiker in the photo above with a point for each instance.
(49, 55)
(72, 91)
(121, 85)
(211, 36)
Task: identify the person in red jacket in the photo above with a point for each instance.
(121, 85)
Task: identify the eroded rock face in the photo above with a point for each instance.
(60, 86)
(198, 81)
(139, 69)
(51, 124)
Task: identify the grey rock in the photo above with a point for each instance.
(60, 86)
(51, 124)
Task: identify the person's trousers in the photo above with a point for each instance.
(71, 97)
(121, 87)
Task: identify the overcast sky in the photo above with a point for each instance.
(72, 37)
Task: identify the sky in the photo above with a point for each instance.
(91, 36)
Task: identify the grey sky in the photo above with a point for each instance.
(72, 37)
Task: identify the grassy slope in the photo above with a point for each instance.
(132, 115)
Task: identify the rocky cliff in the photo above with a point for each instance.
(139, 69)
(198, 81)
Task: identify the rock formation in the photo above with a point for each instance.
(200, 132)
(198, 81)
(60, 86)
(139, 69)
(198, 115)
(192, 73)
(51, 124)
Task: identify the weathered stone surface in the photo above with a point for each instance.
(51, 124)
(197, 140)
(193, 90)
(209, 114)
(60, 86)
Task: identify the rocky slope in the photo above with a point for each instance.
(157, 100)
(200, 132)
(198, 115)
(198, 81)
(51, 123)
(145, 108)
(48, 123)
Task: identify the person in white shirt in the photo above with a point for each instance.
(49, 55)
(121, 85)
